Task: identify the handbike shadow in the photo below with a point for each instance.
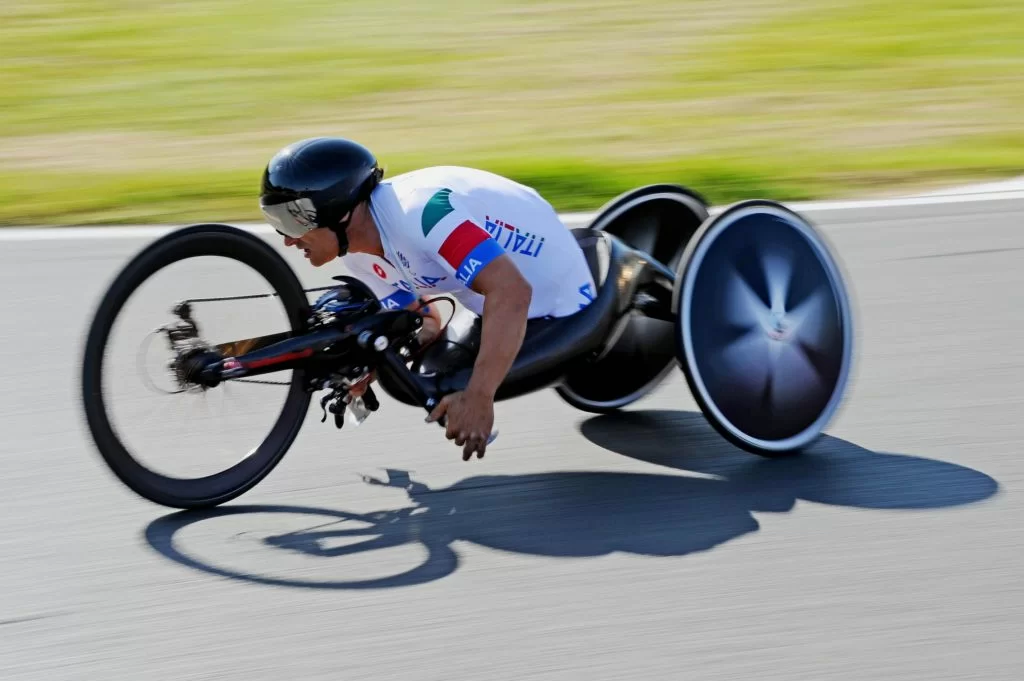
(590, 514)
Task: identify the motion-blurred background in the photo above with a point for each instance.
(144, 111)
(639, 545)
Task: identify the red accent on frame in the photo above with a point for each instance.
(266, 361)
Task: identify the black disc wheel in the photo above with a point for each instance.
(635, 365)
(764, 329)
(657, 220)
(166, 438)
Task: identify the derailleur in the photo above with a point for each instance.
(342, 403)
(190, 354)
(183, 331)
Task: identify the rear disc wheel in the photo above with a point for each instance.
(764, 330)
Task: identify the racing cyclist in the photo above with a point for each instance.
(493, 244)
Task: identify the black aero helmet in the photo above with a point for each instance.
(315, 183)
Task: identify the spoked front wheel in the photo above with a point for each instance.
(140, 405)
(764, 329)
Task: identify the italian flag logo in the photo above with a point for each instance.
(461, 242)
(438, 206)
(468, 249)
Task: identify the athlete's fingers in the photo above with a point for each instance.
(477, 443)
(440, 410)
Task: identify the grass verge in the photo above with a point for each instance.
(119, 112)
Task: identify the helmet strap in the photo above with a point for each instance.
(342, 241)
(340, 230)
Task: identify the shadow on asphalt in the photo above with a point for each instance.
(587, 514)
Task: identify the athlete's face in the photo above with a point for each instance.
(320, 245)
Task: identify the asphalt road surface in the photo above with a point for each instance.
(634, 547)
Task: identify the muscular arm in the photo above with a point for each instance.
(507, 297)
(468, 253)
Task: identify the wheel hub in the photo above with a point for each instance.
(189, 368)
(778, 330)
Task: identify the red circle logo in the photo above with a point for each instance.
(380, 271)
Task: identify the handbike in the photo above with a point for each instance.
(750, 304)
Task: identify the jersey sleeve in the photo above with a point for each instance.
(454, 239)
(383, 279)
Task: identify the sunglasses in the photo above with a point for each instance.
(293, 219)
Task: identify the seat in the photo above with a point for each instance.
(596, 249)
(551, 345)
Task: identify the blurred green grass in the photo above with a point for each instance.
(115, 111)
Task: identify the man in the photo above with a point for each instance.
(495, 245)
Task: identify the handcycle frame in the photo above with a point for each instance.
(375, 340)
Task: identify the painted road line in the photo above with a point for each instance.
(43, 233)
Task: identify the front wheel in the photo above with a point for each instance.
(764, 329)
(153, 397)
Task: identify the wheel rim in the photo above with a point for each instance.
(765, 327)
(257, 461)
(669, 248)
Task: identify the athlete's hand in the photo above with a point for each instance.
(428, 333)
(470, 418)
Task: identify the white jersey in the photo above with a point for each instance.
(441, 226)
